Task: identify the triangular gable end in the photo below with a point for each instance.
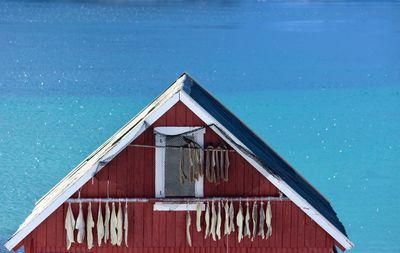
(181, 90)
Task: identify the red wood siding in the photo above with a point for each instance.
(131, 174)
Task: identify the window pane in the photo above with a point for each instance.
(173, 187)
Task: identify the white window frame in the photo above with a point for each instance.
(160, 133)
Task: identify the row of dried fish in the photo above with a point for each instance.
(213, 219)
(195, 167)
(112, 227)
(217, 164)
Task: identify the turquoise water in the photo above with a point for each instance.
(319, 81)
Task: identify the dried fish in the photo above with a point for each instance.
(188, 222)
(217, 165)
(247, 222)
(199, 154)
(191, 163)
(100, 226)
(219, 221)
(231, 218)
(213, 221)
(225, 159)
(126, 222)
(107, 223)
(207, 219)
(268, 220)
(262, 220)
(182, 175)
(89, 227)
(239, 222)
(119, 225)
(208, 164)
(113, 225)
(80, 225)
(213, 166)
(198, 216)
(221, 163)
(69, 226)
(254, 215)
(227, 230)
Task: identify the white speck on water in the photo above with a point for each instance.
(340, 151)
(377, 209)
(307, 156)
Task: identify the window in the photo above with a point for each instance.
(168, 161)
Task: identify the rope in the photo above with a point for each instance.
(177, 200)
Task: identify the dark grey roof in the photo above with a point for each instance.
(265, 154)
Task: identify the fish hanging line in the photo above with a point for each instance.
(102, 163)
(239, 146)
(179, 200)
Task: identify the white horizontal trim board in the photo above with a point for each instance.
(280, 184)
(162, 206)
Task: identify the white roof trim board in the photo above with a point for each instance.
(99, 158)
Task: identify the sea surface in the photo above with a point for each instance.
(319, 81)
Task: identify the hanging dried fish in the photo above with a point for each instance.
(207, 219)
(126, 222)
(89, 227)
(191, 163)
(221, 162)
(254, 215)
(80, 225)
(119, 225)
(182, 174)
(231, 218)
(196, 162)
(219, 221)
(217, 165)
(239, 222)
(268, 220)
(100, 226)
(227, 230)
(113, 225)
(188, 222)
(225, 162)
(69, 226)
(247, 221)
(213, 167)
(107, 223)
(262, 220)
(198, 216)
(208, 164)
(213, 221)
(199, 155)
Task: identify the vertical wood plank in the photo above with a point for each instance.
(294, 225)
(147, 224)
(287, 224)
(180, 239)
(301, 229)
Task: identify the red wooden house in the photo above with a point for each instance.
(142, 164)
